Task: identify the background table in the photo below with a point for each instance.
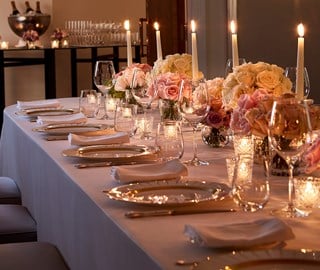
(90, 230)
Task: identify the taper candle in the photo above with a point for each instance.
(234, 43)
(129, 49)
(300, 63)
(158, 40)
(195, 69)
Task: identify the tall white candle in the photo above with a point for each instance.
(300, 63)
(195, 69)
(158, 40)
(234, 40)
(129, 49)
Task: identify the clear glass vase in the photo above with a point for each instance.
(215, 137)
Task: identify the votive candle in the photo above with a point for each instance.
(4, 45)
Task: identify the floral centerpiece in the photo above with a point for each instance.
(59, 35)
(125, 81)
(166, 88)
(30, 37)
(218, 119)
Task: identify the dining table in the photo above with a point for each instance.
(91, 230)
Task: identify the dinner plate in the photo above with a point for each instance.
(170, 192)
(33, 113)
(109, 152)
(279, 259)
(65, 129)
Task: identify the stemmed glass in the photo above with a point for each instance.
(194, 107)
(103, 78)
(290, 135)
(291, 73)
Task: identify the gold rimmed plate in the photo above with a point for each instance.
(65, 129)
(110, 152)
(33, 113)
(169, 193)
(279, 259)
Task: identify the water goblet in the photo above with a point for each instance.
(290, 134)
(194, 107)
(250, 185)
(291, 73)
(169, 140)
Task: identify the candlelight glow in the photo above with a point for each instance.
(300, 30)
(127, 25)
(193, 26)
(156, 26)
(233, 27)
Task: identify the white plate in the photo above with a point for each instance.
(109, 152)
(33, 113)
(65, 129)
(279, 259)
(169, 192)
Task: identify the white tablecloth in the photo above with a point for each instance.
(90, 230)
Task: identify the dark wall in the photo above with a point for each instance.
(267, 32)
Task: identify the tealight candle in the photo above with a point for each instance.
(111, 104)
(195, 67)
(91, 98)
(300, 63)
(65, 44)
(307, 192)
(54, 44)
(170, 131)
(126, 112)
(4, 45)
(243, 145)
(234, 43)
(158, 41)
(129, 50)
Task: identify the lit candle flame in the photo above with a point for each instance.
(127, 25)
(233, 27)
(156, 26)
(300, 30)
(193, 26)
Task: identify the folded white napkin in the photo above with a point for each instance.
(148, 172)
(246, 233)
(115, 138)
(38, 104)
(77, 118)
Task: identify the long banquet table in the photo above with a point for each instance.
(91, 230)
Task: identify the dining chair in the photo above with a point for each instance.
(16, 224)
(9, 191)
(31, 255)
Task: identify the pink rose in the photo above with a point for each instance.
(312, 156)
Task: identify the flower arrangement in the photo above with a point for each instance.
(175, 63)
(30, 36)
(59, 34)
(248, 77)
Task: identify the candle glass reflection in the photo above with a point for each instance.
(307, 193)
(88, 102)
(169, 140)
(250, 185)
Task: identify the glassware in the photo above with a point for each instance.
(194, 107)
(104, 75)
(88, 102)
(144, 126)
(169, 140)
(290, 72)
(229, 65)
(290, 134)
(124, 119)
(250, 185)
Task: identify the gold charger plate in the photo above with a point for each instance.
(109, 152)
(45, 112)
(169, 193)
(65, 129)
(279, 259)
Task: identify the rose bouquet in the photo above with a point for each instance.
(166, 88)
(59, 34)
(30, 36)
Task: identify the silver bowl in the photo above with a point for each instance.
(22, 23)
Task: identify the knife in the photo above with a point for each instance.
(173, 212)
(112, 163)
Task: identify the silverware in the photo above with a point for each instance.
(57, 137)
(173, 212)
(112, 163)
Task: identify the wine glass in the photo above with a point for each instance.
(291, 73)
(194, 107)
(104, 73)
(289, 136)
(229, 65)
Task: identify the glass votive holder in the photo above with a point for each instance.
(307, 193)
(144, 125)
(230, 162)
(243, 144)
(4, 45)
(88, 102)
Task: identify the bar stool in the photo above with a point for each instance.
(32, 255)
(16, 224)
(9, 191)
